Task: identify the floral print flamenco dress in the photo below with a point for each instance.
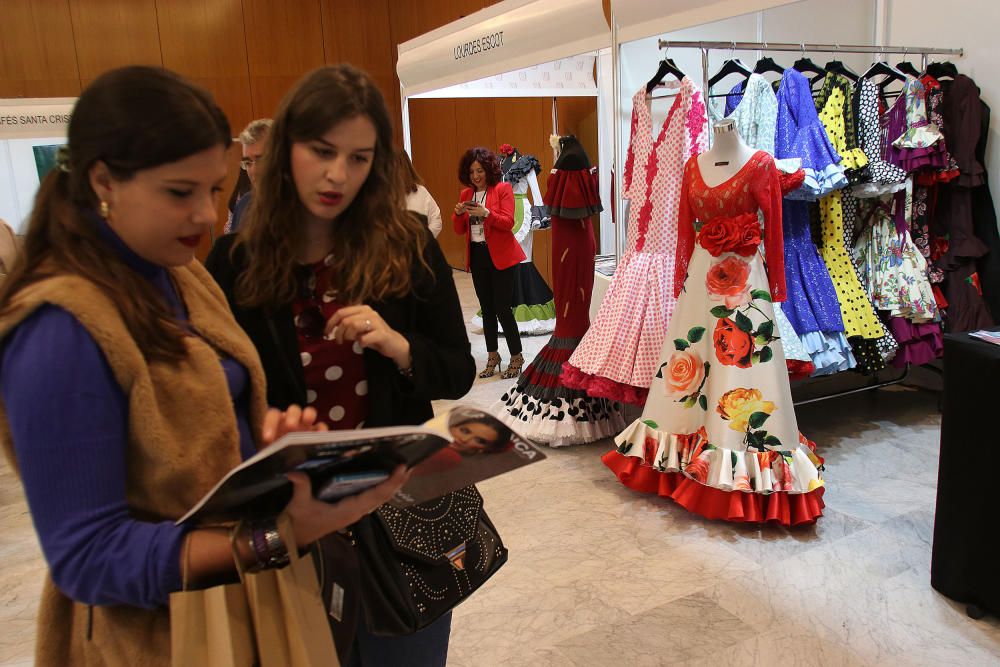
(718, 434)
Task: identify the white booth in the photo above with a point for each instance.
(31, 131)
(520, 48)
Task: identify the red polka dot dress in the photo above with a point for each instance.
(336, 380)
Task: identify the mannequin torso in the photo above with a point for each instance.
(727, 155)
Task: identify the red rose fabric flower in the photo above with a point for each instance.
(649, 449)
(698, 470)
(716, 235)
(726, 281)
(748, 236)
(733, 346)
(740, 235)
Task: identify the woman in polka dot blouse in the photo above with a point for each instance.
(327, 277)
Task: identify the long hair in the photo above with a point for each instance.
(410, 178)
(486, 159)
(377, 242)
(133, 118)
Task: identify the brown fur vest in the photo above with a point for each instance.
(183, 438)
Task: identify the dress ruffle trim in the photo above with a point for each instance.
(559, 422)
(521, 168)
(918, 343)
(919, 137)
(853, 159)
(818, 184)
(533, 320)
(829, 351)
(573, 194)
(770, 471)
(715, 504)
(799, 370)
(602, 387)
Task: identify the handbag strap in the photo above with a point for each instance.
(233, 531)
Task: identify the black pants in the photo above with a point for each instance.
(494, 289)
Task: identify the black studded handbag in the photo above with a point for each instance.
(420, 562)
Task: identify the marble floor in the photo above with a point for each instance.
(602, 576)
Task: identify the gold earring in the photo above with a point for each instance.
(105, 210)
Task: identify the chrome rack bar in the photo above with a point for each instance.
(875, 384)
(815, 48)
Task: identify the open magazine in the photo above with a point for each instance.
(458, 448)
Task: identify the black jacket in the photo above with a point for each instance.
(430, 317)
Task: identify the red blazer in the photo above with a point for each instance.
(505, 251)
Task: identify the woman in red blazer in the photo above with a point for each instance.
(485, 215)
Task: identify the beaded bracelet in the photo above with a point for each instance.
(268, 548)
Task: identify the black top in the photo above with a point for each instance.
(571, 155)
(430, 317)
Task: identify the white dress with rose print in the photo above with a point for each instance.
(718, 433)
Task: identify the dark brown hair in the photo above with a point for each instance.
(486, 159)
(377, 241)
(133, 118)
(408, 175)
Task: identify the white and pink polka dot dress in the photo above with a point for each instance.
(620, 353)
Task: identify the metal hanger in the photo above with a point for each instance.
(804, 64)
(730, 66)
(667, 66)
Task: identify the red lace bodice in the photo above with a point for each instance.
(756, 186)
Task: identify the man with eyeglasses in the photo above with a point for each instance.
(253, 139)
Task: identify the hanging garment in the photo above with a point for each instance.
(799, 134)
(861, 323)
(812, 308)
(532, 303)
(894, 274)
(984, 220)
(718, 434)
(814, 349)
(837, 115)
(913, 142)
(953, 218)
(883, 177)
(935, 97)
(538, 406)
(619, 354)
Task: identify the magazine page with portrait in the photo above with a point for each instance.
(451, 451)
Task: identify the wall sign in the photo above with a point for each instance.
(35, 117)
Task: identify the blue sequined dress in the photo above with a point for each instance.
(800, 134)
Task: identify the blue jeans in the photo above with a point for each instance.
(425, 648)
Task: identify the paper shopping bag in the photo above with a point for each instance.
(289, 619)
(210, 626)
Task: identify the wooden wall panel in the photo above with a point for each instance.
(359, 32)
(435, 157)
(412, 19)
(37, 50)
(205, 42)
(114, 33)
(284, 40)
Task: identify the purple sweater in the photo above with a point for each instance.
(69, 422)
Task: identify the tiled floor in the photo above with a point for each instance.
(600, 575)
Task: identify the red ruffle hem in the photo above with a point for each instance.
(787, 509)
(602, 387)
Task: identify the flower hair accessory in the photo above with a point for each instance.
(62, 159)
(505, 149)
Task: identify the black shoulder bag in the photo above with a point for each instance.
(420, 562)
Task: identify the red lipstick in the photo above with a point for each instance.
(330, 198)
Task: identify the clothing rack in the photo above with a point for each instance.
(801, 47)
